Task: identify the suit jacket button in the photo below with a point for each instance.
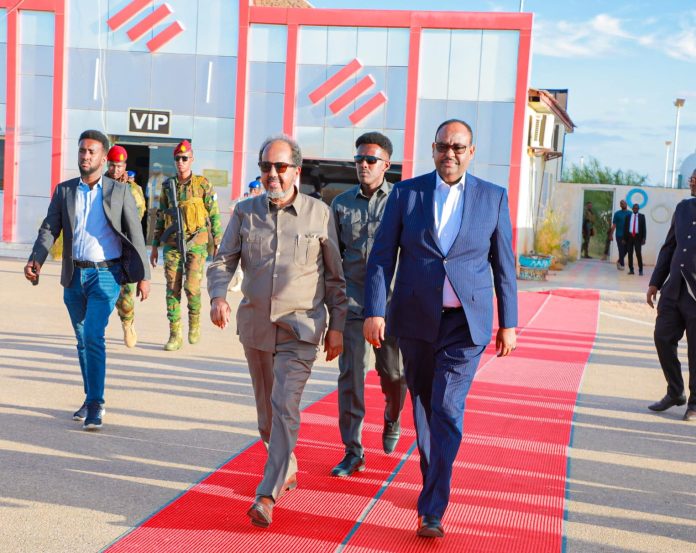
(681, 265)
(684, 249)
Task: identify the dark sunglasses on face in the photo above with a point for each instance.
(456, 148)
(371, 160)
(280, 166)
(181, 158)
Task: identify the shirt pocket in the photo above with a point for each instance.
(307, 247)
(251, 250)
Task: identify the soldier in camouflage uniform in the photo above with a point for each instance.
(125, 306)
(200, 214)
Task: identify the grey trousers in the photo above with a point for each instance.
(279, 379)
(353, 364)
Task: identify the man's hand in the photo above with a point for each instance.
(215, 250)
(333, 344)
(373, 330)
(32, 270)
(505, 341)
(154, 255)
(143, 289)
(651, 296)
(220, 312)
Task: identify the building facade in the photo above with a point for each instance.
(225, 75)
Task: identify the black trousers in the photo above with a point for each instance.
(673, 318)
(633, 244)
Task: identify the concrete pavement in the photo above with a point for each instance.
(174, 417)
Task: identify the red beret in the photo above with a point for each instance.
(184, 147)
(117, 154)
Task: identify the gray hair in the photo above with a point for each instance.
(294, 147)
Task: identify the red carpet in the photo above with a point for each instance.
(509, 479)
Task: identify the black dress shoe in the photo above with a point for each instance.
(430, 527)
(630, 272)
(261, 512)
(690, 414)
(667, 402)
(390, 435)
(640, 272)
(351, 463)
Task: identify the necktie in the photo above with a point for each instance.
(635, 225)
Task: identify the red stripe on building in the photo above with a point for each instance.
(352, 93)
(165, 36)
(142, 27)
(126, 14)
(10, 174)
(368, 107)
(240, 106)
(411, 102)
(335, 81)
(290, 81)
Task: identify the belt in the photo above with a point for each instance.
(452, 309)
(95, 264)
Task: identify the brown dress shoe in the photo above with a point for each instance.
(690, 414)
(261, 512)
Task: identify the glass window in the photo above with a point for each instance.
(499, 66)
(434, 65)
(218, 28)
(267, 43)
(312, 45)
(464, 68)
(372, 46)
(343, 45)
(36, 28)
(398, 47)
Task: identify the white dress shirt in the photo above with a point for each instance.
(449, 208)
(93, 237)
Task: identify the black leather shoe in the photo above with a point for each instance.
(430, 527)
(667, 402)
(690, 414)
(261, 512)
(631, 272)
(390, 435)
(351, 463)
(640, 272)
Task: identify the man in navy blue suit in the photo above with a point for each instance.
(452, 236)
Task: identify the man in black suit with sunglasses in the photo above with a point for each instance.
(357, 213)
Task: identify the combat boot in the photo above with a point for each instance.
(130, 337)
(175, 339)
(194, 328)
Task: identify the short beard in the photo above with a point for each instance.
(279, 195)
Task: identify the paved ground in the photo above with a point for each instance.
(174, 417)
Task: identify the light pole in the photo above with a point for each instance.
(668, 143)
(678, 103)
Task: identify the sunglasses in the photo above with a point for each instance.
(371, 160)
(280, 166)
(456, 148)
(181, 158)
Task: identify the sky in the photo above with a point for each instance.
(623, 63)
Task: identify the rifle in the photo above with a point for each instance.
(176, 226)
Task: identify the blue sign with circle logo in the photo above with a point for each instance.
(630, 197)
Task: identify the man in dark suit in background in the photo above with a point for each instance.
(675, 277)
(634, 235)
(103, 247)
(452, 236)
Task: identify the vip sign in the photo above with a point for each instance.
(149, 121)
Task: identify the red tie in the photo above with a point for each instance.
(635, 224)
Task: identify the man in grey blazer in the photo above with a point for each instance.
(103, 247)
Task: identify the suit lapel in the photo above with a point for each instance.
(107, 191)
(470, 193)
(428, 204)
(70, 198)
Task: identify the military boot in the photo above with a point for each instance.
(175, 339)
(194, 328)
(130, 337)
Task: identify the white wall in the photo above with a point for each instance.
(659, 207)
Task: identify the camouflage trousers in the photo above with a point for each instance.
(195, 261)
(125, 306)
